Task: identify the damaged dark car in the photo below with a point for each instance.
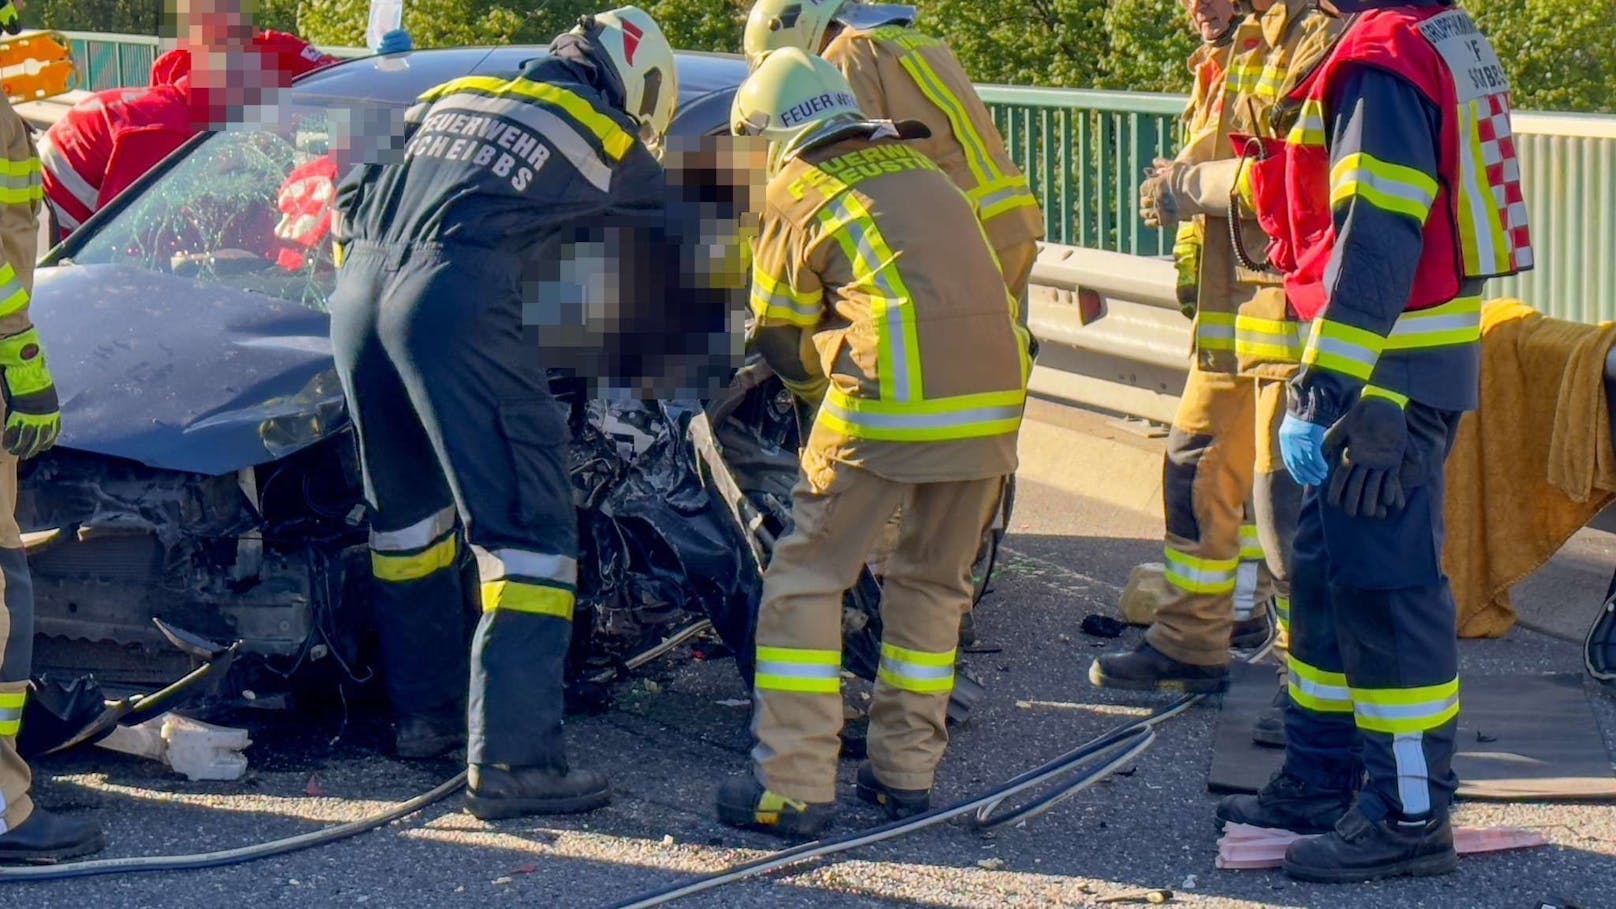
(206, 484)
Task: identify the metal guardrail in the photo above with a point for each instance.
(108, 60)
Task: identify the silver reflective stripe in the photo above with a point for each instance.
(762, 299)
(78, 187)
(8, 714)
(1323, 692)
(555, 130)
(1413, 774)
(1406, 711)
(922, 420)
(496, 564)
(1004, 195)
(915, 670)
(870, 265)
(1212, 330)
(420, 535)
(1345, 349)
(799, 670)
(1390, 187)
(1414, 325)
(1245, 592)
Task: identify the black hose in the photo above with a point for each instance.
(73, 870)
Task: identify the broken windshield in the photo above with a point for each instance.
(248, 208)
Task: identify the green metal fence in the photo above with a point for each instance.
(1085, 152)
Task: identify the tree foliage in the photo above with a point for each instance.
(1558, 52)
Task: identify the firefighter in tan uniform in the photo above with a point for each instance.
(28, 834)
(1214, 585)
(876, 297)
(1273, 50)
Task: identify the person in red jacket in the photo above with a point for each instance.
(112, 138)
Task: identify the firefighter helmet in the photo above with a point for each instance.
(774, 24)
(643, 60)
(795, 100)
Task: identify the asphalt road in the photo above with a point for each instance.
(667, 744)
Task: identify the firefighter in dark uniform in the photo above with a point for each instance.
(1392, 199)
(449, 395)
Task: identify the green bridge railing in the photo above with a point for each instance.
(1086, 151)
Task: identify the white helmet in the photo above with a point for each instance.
(774, 24)
(795, 100)
(643, 58)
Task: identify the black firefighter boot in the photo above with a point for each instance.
(898, 803)
(44, 838)
(1287, 803)
(494, 791)
(1148, 669)
(1363, 850)
(744, 803)
(1268, 729)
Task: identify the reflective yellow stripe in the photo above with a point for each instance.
(1405, 710)
(875, 274)
(1309, 127)
(799, 670)
(13, 296)
(933, 87)
(1250, 543)
(613, 138)
(1282, 606)
(1371, 391)
(1457, 321)
(1483, 242)
(1002, 195)
(536, 599)
(1343, 348)
(777, 301)
(937, 420)
(397, 568)
(1318, 690)
(918, 671)
(11, 705)
(1387, 186)
(1269, 339)
(1197, 575)
(1214, 330)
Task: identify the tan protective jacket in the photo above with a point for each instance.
(21, 196)
(899, 73)
(1204, 140)
(867, 246)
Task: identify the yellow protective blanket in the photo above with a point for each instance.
(1532, 464)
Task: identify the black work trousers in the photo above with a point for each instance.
(454, 416)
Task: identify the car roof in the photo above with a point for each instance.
(384, 79)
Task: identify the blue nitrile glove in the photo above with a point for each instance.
(397, 41)
(1301, 446)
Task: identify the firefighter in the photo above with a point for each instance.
(1391, 200)
(449, 396)
(876, 298)
(1273, 50)
(1214, 572)
(108, 141)
(28, 834)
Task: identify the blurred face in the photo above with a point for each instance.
(1211, 17)
(219, 25)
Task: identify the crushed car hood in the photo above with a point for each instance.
(184, 375)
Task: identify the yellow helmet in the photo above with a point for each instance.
(794, 100)
(643, 59)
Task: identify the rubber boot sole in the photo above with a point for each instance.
(486, 809)
(895, 810)
(52, 856)
(1099, 679)
(1420, 866)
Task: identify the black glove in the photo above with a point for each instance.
(1372, 461)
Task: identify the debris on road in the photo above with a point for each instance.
(1244, 847)
(1155, 895)
(201, 751)
(991, 864)
(1102, 626)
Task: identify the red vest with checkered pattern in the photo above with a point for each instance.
(1477, 225)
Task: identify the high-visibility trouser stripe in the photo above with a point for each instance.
(1245, 591)
(1282, 610)
(13, 296)
(1343, 348)
(963, 417)
(977, 157)
(1250, 544)
(1483, 242)
(1269, 339)
(892, 309)
(1309, 127)
(1197, 575)
(777, 301)
(797, 669)
(1405, 710)
(1389, 187)
(11, 704)
(1374, 391)
(1214, 330)
(414, 552)
(1003, 195)
(917, 670)
(613, 138)
(535, 598)
(1413, 773)
(558, 131)
(1455, 322)
(1317, 690)
(522, 565)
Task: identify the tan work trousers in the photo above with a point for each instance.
(1214, 567)
(16, 651)
(926, 589)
